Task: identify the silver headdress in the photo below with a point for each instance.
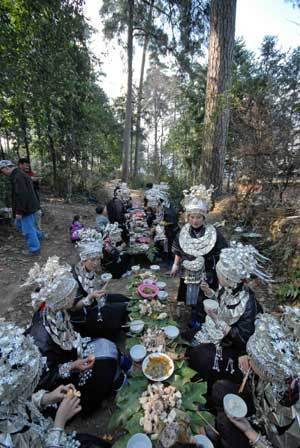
(274, 347)
(156, 193)
(122, 191)
(238, 262)
(114, 232)
(56, 283)
(90, 244)
(198, 200)
(21, 365)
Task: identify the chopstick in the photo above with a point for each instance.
(208, 424)
(246, 376)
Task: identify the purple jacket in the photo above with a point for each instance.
(74, 228)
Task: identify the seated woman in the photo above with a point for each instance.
(272, 389)
(101, 218)
(196, 248)
(22, 423)
(91, 365)
(224, 335)
(75, 228)
(114, 259)
(95, 313)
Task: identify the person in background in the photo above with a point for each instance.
(24, 165)
(101, 218)
(25, 204)
(74, 228)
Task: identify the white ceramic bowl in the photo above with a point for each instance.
(139, 440)
(106, 277)
(162, 295)
(136, 268)
(138, 352)
(137, 326)
(210, 304)
(148, 281)
(235, 406)
(171, 331)
(158, 355)
(161, 285)
(155, 267)
(203, 441)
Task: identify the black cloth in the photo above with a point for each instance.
(113, 314)
(24, 199)
(230, 435)
(116, 211)
(96, 389)
(90, 441)
(233, 346)
(115, 263)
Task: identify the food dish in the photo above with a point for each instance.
(235, 406)
(162, 295)
(171, 331)
(139, 440)
(203, 441)
(158, 367)
(137, 326)
(161, 285)
(138, 352)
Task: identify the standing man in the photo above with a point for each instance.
(24, 204)
(24, 165)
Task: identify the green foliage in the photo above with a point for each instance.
(290, 291)
(53, 110)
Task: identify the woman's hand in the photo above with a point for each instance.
(206, 289)
(174, 270)
(57, 395)
(244, 363)
(243, 425)
(98, 294)
(67, 409)
(83, 364)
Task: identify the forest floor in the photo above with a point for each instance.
(14, 268)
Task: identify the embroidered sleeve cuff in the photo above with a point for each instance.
(261, 442)
(37, 398)
(64, 370)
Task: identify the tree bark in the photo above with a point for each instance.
(216, 122)
(128, 116)
(140, 96)
(23, 124)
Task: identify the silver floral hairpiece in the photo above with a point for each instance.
(114, 232)
(21, 364)
(90, 244)
(274, 349)
(198, 199)
(239, 262)
(55, 282)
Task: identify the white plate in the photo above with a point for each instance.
(162, 295)
(235, 406)
(203, 441)
(136, 268)
(138, 352)
(155, 267)
(148, 281)
(136, 326)
(210, 304)
(106, 277)
(139, 440)
(158, 355)
(161, 285)
(171, 331)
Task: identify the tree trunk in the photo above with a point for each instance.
(156, 154)
(128, 116)
(52, 155)
(221, 44)
(140, 96)
(23, 123)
